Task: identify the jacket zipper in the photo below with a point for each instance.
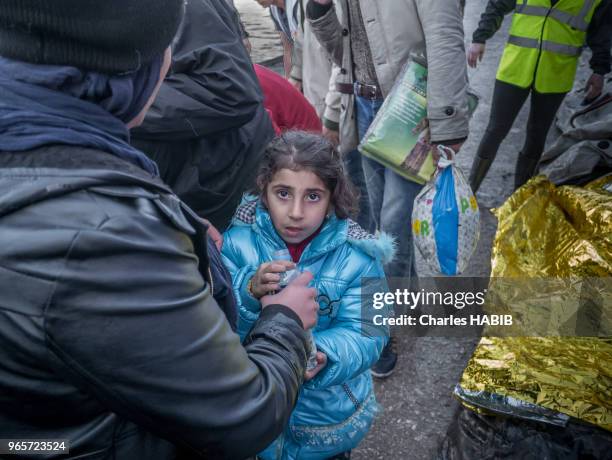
(351, 396)
(535, 71)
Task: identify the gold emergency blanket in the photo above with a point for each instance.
(562, 233)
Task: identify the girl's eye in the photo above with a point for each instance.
(313, 197)
(283, 194)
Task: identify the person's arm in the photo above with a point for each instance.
(599, 35)
(133, 324)
(353, 343)
(447, 103)
(297, 57)
(212, 85)
(287, 44)
(327, 28)
(316, 9)
(249, 307)
(281, 24)
(491, 19)
(490, 22)
(250, 282)
(331, 115)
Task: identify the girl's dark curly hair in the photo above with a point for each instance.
(300, 150)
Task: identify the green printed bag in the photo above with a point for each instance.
(399, 135)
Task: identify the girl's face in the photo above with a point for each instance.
(298, 202)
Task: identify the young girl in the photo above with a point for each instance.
(303, 206)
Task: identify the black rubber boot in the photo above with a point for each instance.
(525, 168)
(479, 170)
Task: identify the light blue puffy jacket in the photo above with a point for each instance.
(334, 411)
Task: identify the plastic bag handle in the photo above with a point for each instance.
(447, 156)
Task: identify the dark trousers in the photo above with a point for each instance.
(354, 170)
(507, 102)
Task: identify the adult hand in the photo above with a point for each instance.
(594, 87)
(475, 53)
(247, 45)
(296, 84)
(267, 277)
(321, 363)
(265, 3)
(332, 136)
(298, 297)
(214, 234)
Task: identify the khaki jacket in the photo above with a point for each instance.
(396, 29)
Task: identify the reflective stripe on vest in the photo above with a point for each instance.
(545, 43)
(577, 22)
(559, 48)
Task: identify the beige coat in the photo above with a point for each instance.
(395, 29)
(312, 66)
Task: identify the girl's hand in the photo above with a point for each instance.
(475, 54)
(321, 363)
(266, 278)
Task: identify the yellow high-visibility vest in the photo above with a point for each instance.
(545, 43)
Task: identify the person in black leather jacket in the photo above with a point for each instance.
(208, 128)
(110, 337)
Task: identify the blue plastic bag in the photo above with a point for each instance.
(446, 219)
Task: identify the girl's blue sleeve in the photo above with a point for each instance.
(249, 308)
(355, 338)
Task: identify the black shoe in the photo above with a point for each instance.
(386, 363)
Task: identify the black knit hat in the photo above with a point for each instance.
(109, 36)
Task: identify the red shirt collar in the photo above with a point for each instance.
(296, 249)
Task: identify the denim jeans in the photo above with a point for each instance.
(391, 198)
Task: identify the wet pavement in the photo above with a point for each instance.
(417, 399)
(264, 38)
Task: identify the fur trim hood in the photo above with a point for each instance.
(381, 246)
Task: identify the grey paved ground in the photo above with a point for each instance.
(264, 38)
(416, 399)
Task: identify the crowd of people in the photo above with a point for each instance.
(150, 174)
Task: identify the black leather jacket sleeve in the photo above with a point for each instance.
(133, 323)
